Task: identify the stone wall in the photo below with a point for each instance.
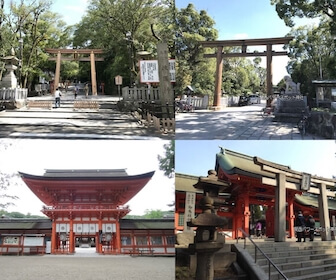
(323, 124)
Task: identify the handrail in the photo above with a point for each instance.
(256, 247)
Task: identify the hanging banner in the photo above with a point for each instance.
(149, 71)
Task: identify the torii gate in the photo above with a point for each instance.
(269, 53)
(75, 56)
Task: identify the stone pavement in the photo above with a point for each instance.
(235, 123)
(67, 123)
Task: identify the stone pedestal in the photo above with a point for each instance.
(290, 107)
(9, 81)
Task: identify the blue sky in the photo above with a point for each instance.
(314, 157)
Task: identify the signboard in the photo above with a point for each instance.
(11, 240)
(118, 80)
(33, 241)
(149, 71)
(305, 182)
(189, 211)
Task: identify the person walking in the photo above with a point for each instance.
(57, 98)
(311, 227)
(86, 90)
(258, 228)
(76, 91)
(300, 225)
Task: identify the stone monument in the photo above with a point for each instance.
(290, 104)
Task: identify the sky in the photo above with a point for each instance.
(137, 156)
(246, 19)
(314, 157)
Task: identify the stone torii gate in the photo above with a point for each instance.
(219, 55)
(78, 55)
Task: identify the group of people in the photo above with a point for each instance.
(304, 226)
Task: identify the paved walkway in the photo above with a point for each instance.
(235, 123)
(67, 123)
(96, 267)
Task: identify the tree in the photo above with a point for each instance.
(167, 162)
(193, 26)
(153, 214)
(289, 9)
(123, 29)
(312, 53)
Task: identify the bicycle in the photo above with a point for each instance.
(267, 111)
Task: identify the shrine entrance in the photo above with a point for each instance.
(220, 54)
(76, 55)
(86, 206)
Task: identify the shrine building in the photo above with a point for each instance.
(86, 207)
(248, 181)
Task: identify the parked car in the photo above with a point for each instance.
(243, 100)
(254, 99)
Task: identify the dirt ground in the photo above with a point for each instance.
(52, 267)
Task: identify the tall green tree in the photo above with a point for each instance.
(192, 68)
(36, 27)
(123, 28)
(167, 162)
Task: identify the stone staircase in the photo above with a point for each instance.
(306, 260)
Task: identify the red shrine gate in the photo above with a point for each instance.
(85, 206)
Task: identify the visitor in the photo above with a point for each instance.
(86, 90)
(76, 91)
(300, 226)
(258, 228)
(58, 98)
(311, 227)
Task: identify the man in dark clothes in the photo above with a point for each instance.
(300, 225)
(311, 226)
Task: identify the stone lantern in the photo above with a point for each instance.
(205, 243)
(10, 81)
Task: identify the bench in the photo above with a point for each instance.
(39, 104)
(145, 252)
(86, 104)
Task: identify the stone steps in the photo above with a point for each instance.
(309, 260)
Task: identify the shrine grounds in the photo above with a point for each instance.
(86, 267)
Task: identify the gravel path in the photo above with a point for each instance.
(86, 268)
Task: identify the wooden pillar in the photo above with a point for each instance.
(246, 225)
(291, 216)
(53, 237)
(100, 230)
(324, 213)
(280, 209)
(93, 74)
(218, 78)
(166, 92)
(71, 238)
(58, 71)
(118, 237)
(269, 77)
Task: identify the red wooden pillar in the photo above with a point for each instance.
(291, 216)
(53, 237)
(100, 230)
(71, 237)
(246, 224)
(118, 237)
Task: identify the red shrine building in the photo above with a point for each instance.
(251, 181)
(86, 207)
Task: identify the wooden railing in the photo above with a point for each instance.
(256, 249)
(86, 104)
(39, 104)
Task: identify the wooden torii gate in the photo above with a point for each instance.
(219, 55)
(76, 54)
